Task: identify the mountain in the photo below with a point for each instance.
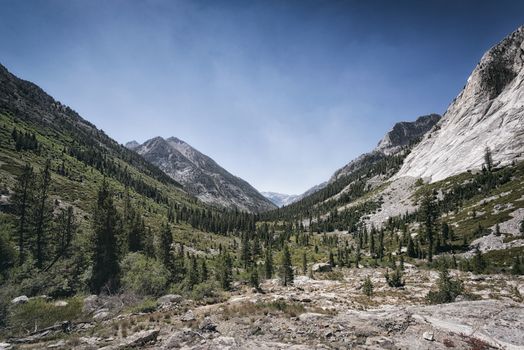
(280, 199)
(489, 112)
(402, 135)
(201, 176)
(132, 145)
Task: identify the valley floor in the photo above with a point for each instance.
(315, 313)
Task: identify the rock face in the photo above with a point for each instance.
(280, 199)
(201, 176)
(403, 134)
(489, 112)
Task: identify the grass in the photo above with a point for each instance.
(38, 314)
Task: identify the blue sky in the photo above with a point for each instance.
(280, 93)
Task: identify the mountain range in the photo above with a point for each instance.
(200, 175)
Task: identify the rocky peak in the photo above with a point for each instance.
(405, 133)
(132, 145)
(487, 113)
(201, 176)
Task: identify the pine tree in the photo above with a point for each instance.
(42, 214)
(268, 264)
(286, 272)
(304, 263)
(204, 273)
(429, 214)
(245, 252)
(331, 259)
(367, 287)
(225, 271)
(253, 278)
(106, 269)
(488, 159)
(193, 275)
(22, 200)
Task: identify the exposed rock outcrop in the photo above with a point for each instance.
(489, 112)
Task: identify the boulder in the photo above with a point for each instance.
(5, 346)
(61, 303)
(188, 316)
(90, 304)
(20, 300)
(428, 336)
(321, 267)
(169, 299)
(101, 315)
(207, 325)
(141, 338)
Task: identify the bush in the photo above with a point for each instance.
(395, 279)
(448, 289)
(143, 275)
(40, 313)
(145, 306)
(367, 287)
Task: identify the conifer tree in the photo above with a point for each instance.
(253, 277)
(488, 159)
(268, 264)
(42, 214)
(304, 263)
(204, 273)
(429, 214)
(22, 200)
(225, 271)
(193, 274)
(286, 272)
(106, 269)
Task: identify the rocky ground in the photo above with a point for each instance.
(328, 312)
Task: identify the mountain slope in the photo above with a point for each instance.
(202, 176)
(487, 113)
(280, 199)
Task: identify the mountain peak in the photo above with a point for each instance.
(202, 176)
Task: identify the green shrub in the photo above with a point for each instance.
(146, 306)
(367, 287)
(143, 275)
(395, 279)
(40, 313)
(448, 289)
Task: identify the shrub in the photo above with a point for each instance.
(145, 306)
(367, 287)
(40, 313)
(395, 279)
(448, 289)
(143, 275)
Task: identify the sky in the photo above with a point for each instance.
(279, 93)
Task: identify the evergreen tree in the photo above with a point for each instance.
(204, 273)
(253, 278)
(42, 214)
(331, 259)
(411, 248)
(304, 263)
(245, 252)
(429, 215)
(225, 271)
(268, 264)
(488, 159)
(286, 272)
(106, 269)
(22, 200)
(193, 275)
(367, 287)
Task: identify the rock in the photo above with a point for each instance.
(188, 316)
(321, 267)
(428, 336)
(20, 300)
(141, 338)
(180, 338)
(59, 344)
(169, 299)
(5, 346)
(224, 343)
(207, 325)
(90, 304)
(101, 315)
(61, 303)
(310, 316)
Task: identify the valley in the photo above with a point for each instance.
(417, 244)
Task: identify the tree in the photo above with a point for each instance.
(225, 271)
(268, 264)
(193, 276)
(22, 199)
(204, 273)
(395, 279)
(66, 228)
(488, 159)
(106, 270)
(253, 278)
(479, 264)
(429, 215)
(304, 263)
(448, 289)
(42, 214)
(331, 259)
(367, 287)
(411, 248)
(286, 272)
(245, 251)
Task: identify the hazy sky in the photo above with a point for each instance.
(280, 93)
